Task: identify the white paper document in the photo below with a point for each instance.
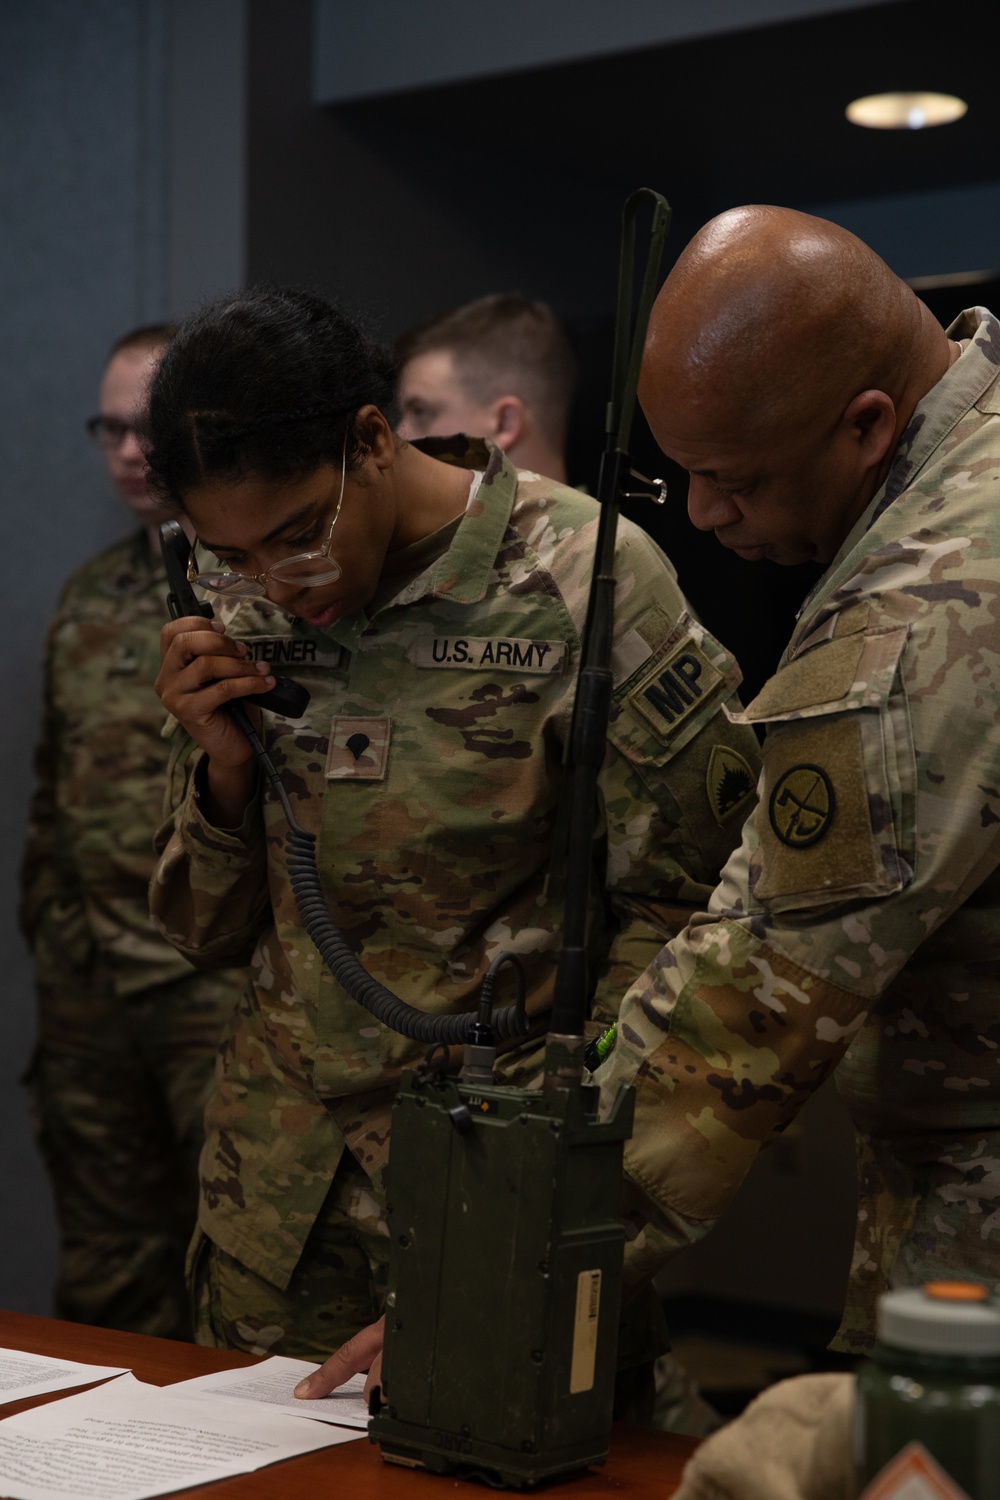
(23, 1375)
(273, 1382)
(129, 1441)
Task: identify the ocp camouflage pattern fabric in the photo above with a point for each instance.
(429, 764)
(337, 1287)
(857, 927)
(127, 1030)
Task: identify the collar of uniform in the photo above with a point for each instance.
(959, 388)
(244, 618)
(945, 403)
(463, 572)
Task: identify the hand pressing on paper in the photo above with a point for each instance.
(362, 1352)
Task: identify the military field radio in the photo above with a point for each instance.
(502, 1203)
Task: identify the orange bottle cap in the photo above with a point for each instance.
(956, 1291)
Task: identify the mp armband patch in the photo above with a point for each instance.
(675, 688)
(729, 782)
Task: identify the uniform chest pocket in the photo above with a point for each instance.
(835, 820)
(458, 803)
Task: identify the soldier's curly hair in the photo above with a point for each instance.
(263, 383)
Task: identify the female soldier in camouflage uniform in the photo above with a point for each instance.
(432, 599)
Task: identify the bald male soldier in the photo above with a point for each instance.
(823, 414)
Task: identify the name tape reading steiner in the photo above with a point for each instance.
(501, 653)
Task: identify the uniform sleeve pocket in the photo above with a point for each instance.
(689, 758)
(668, 700)
(835, 819)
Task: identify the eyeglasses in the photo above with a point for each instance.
(109, 432)
(309, 570)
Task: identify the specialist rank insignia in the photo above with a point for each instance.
(358, 749)
(729, 782)
(802, 806)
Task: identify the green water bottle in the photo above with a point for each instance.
(928, 1400)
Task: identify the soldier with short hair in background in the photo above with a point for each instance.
(500, 368)
(127, 1029)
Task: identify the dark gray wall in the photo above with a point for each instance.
(121, 177)
(204, 144)
(400, 225)
(81, 181)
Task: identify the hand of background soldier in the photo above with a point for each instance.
(201, 670)
(362, 1352)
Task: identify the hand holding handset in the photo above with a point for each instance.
(286, 697)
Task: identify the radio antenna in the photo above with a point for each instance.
(588, 734)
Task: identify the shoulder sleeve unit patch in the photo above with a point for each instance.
(815, 832)
(802, 806)
(729, 782)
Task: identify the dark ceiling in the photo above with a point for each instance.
(749, 116)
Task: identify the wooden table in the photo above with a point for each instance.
(641, 1462)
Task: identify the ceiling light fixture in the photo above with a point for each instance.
(905, 111)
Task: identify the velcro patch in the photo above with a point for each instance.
(359, 748)
(815, 832)
(498, 653)
(821, 676)
(675, 688)
(629, 654)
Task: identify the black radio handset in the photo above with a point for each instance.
(300, 845)
(286, 697)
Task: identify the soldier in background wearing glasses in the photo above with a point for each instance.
(127, 1029)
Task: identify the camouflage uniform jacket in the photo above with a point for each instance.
(859, 922)
(429, 765)
(101, 765)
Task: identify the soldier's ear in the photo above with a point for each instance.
(507, 415)
(373, 431)
(870, 421)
